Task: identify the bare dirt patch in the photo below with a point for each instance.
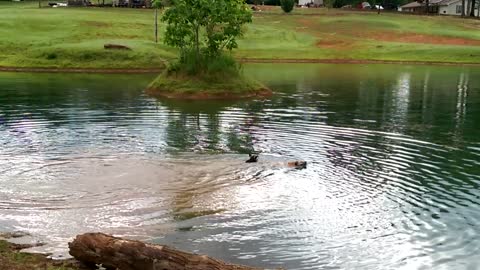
(343, 36)
(422, 39)
(326, 41)
(334, 44)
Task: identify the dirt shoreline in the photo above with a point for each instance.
(242, 60)
(354, 61)
(260, 93)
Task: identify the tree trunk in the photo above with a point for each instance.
(463, 8)
(39, 3)
(427, 6)
(472, 8)
(118, 253)
(156, 25)
(197, 45)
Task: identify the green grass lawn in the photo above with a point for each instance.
(12, 258)
(74, 37)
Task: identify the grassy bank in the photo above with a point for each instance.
(74, 37)
(12, 259)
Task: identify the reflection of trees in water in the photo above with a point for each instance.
(43, 112)
(439, 112)
(58, 98)
(194, 131)
(425, 102)
(243, 134)
(182, 130)
(461, 106)
(240, 140)
(429, 105)
(398, 104)
(213, 135)
(209, 132)
(418, 101)
(209, 126)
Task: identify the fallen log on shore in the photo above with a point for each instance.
(117, 253)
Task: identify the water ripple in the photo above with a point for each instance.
(391, 181)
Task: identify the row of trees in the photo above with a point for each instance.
(388, 4)
(468, 10)
(469, 6)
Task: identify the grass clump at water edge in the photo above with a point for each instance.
(12, 258)
(203, 77)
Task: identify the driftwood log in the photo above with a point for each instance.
(116, 47)
(117, 253)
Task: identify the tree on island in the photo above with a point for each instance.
(203, 29)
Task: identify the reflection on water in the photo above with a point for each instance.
(392, 181)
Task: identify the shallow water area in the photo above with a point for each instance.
(392, 180)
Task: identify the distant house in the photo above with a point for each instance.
(443, 7)
(313, 3)
(413, 7)
(454, 7)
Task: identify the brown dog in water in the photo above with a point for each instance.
(297, 164)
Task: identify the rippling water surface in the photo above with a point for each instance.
(392, 182)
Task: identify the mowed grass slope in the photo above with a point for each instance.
(74, 37)
(337, 34)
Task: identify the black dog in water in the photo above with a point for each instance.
(292, 164)
(252, 158)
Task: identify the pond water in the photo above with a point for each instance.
(392, 181)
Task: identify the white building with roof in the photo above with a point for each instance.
(454, 7)
(317, 3)
(443, 7)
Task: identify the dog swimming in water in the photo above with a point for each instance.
(297, 164)
(252, 158)
(291, 164)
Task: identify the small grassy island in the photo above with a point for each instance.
(220, 79)
(203, 32)
(180, 86)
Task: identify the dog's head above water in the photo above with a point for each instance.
(252, 158)
(299, 164)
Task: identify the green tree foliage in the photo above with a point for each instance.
(287, 5)
(204, 28)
